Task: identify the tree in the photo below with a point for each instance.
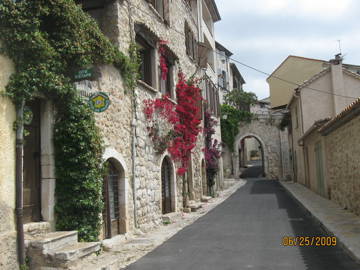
(240, 99)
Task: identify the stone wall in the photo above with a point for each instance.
(118, 23)
(8, 258)
(266, 130)
(343, 164)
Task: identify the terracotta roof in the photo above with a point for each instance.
(353, 107)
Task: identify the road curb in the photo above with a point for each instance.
(324, 226)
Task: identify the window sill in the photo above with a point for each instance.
(147, 87)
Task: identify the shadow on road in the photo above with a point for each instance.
(315, 257)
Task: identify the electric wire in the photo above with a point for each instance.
(251, 67)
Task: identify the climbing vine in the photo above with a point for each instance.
(235, 110)
(47, 40)
(231, 117)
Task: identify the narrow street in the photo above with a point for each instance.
(246, 232)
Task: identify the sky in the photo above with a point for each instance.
(262, 33)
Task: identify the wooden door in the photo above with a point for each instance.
(166, 186)
(111, 214)
(32, 169)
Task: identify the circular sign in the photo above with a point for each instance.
(99, 102)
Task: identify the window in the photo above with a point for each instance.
(162, 7)
(212, 98)
(190, 43)
(146, 66)
(158, 5)
(166, 86)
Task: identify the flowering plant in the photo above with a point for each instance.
(163, 63)
(179, 135)
(212, 149)
(161, 117)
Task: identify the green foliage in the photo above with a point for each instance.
(240, 99)
(47, 40)
(230, 125)
(285, 122)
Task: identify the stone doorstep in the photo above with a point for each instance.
(194, 206)
(36, 228)
(117, 240)
(53, 240)
(170, 217)
(205, 199)
(73, 252)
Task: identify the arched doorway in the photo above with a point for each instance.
(203, 179)
(114, 197)
(166, 186)
(251, 155)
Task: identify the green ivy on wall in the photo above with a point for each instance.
(231, 117)
(46, 40)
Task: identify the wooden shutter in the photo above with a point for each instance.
(167, 11)
(202, 54)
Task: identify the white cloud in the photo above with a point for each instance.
(304, 46)
(258, 86)
(321, 9)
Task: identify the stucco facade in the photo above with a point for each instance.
(335, 88)
(294, 69)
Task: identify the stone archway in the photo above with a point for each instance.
(268, 135)
(115, 216)
(168, 175)
(263, 154)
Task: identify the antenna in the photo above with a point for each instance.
(339, 41)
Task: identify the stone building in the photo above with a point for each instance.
(141, 185)
(335, 88)
(332, 157)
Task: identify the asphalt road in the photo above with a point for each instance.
(245, 232)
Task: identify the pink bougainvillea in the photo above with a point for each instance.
(184, 116)
(163, 63)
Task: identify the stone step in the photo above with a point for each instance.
(194, 206)
(36, 228)
(205, 198)
(104, 261)
(53, 240)
(74, 252)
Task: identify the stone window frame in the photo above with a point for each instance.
(172, 59)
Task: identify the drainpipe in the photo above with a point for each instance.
(19, 181)
(133, 123)
(133, 156)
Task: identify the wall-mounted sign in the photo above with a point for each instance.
(99, 102)
(91, 73)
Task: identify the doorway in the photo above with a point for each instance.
(111, 213)
(166, 176)
(32, 165)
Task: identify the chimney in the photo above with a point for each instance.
(337, 80)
